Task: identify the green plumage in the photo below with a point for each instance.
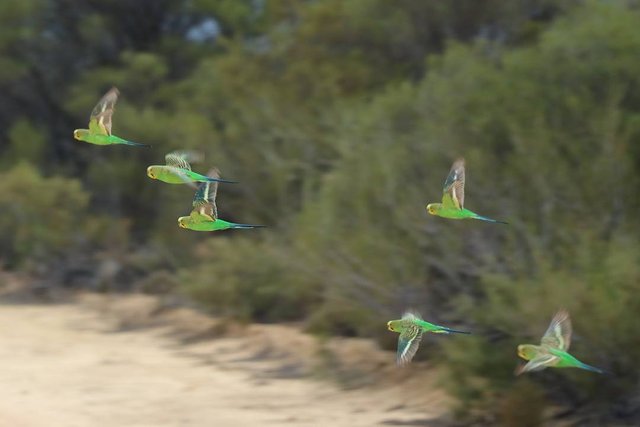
(177, 170)
(452, 205)
(99, 132)
(411, 327)
(204, 215)
(552, 351)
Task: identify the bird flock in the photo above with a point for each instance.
(176, 170)
(554, 345)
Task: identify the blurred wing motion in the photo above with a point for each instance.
(182, 159)
(204, 202)
(408, 343)
(537, 364)
(558, 335)
(100, 120)
(409, 339)
(453, 191)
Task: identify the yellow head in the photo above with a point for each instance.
(433, 208)
(182, 221)
(527, 351)
(392, 325)
(80, 133)
(152, 172)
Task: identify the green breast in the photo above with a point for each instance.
(209, 225)
(98, 139)
(170, 175)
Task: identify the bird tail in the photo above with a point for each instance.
(135, 144)
(592, 368)
(243, 226)
(484, 218)
(444, 330)
(221, 180)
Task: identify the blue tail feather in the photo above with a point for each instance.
(248, 226)
(221, 180)
(135, 144)
(454, 331)
(593, 369)
(484, 218)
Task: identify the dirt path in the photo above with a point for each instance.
(69, 365)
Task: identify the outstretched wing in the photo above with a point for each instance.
(204, 202)
(411, 315)
(453, 191)
(558, 334)
(100, 120)
(182, 159)
(537, 364)
(408, 343)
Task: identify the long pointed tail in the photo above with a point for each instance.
(484, 218)
(444, 330)
(221, 180)
(135, 144)
(592, 368)
(247, 226)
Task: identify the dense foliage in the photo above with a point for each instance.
(341, 119)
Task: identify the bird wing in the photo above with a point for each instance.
(537, 363)
(204, 202)
(558, 335)
(100, 120)
(453, 190)
(411, 315)
(181, 159)
(408, 343)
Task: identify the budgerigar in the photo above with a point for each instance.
(99, 131)
(411, 327)
(204, 216)
(452, 205)
(177, 170)
(552, 351)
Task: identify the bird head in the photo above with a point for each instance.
(151, 172)
(182, 222)
(527, 351)
(433, 208)
(79, 133)
(392, 326)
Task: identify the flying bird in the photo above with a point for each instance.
(411, 327)
(552, 351)
(99, 131)
(452, 205)
(204, 215)
(177, 169)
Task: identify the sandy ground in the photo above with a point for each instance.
(74, 365)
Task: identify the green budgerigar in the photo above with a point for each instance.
(411, 327)
(99, 132)
(452, 205)
(204, 215)
(177, 169)
(552, 351)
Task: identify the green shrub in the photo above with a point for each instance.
(247, 278)
(41, 216)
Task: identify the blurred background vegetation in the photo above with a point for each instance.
(341, 120)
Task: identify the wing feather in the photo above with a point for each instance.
(204, 201)
(537, 364)
(408, 343)
(100, 120)
(181, 159)
(453, 190)
(558, 335)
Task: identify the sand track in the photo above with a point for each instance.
(71, 365)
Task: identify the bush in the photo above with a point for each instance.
(41, 217)
(245, 278)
